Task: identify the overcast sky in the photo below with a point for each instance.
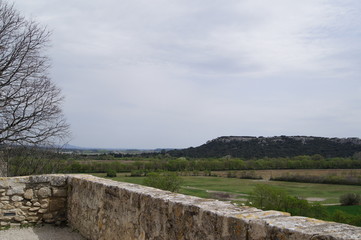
(176, 73)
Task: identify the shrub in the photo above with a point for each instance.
(270, 198)
(350, 199)
(165, 181)
(111, 173)
(137, 173)
(249, 175)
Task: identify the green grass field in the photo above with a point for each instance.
(237, 188)
(354, 210)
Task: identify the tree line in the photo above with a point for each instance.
(212, 164)
(282, 146)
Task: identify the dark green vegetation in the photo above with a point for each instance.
(262, 153)
(165, 181)
(111, 173)
(268, 197)
(350, 199)
(32, 160)
(352, 210)
(329, 179)
(38, 161)
(167, 163)
(282, 146)
(271, 198)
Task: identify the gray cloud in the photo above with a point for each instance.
(145, 74)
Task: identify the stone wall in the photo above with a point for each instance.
(32, 200)
(103, 209)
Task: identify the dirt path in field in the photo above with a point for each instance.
(227, 196)
(315, 199)
(224, 196)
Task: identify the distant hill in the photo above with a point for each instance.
(279, 146)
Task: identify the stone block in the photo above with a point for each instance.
(57, 204)
(32, 219)
(15, 224)
(34, 209)
(16, 188)
(60, 192)
(58, 181)
(48, 216)
(19, 218)
(29, 194)
(8, 206)
(45, 205)
(6, 218)
(4, 224)
(44, 192)
(17, 198)
(18, 204)
(43, 210)
(5, 198)
(4, 183)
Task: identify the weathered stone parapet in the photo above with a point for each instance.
(104, 209)
(32, 200)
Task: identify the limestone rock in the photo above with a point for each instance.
(29, 193)
(16, 198)
(59, 192)
(57, 204)
(44, 192)
(17, 188)
(45, 205)
(19, 218)
(34, 209)
(32, 219)
(48, 216)
(5, 198)
(43, 210)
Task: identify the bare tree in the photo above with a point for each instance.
(30, 104)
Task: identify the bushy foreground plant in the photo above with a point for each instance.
(111, 173)
(271, 198)
(165, 181)
(350, 199)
